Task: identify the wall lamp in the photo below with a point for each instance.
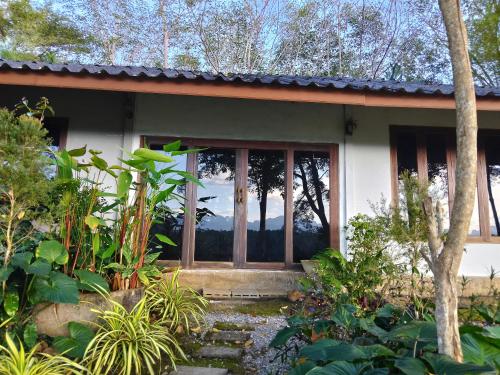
(350, 125)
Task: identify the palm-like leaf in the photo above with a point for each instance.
(175, 304)
(129, 342)
(16, 361)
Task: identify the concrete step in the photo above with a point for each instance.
(222, 352)
(229, 326)
(192, 370)
(228, 336)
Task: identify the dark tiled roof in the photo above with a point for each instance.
(388, 86)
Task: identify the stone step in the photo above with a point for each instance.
(222, 352)
(192, 370)
(230, 326)
(228, 336)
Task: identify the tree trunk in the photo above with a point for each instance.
(447, 315)
(445, 258)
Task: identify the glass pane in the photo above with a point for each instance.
(266, 206)
(215, 208)
(311, 187)
(474, 228)
(438, 174)
(493, 180)
(171, 216)
(407, 153)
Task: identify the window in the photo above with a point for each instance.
(57, 128)
(262, 204)
(430, 154)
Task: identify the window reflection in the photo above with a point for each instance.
(266, 206)
(438, 174)
(407, 153)
(311, 229)
(170, 218)
(215, 206)
(492, 149)
(474, 228)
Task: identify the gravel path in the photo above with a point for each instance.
(258, 356)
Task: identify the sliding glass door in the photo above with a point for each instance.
(259, 205)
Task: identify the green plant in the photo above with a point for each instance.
(16, 361)
(386, 341)
(76, 343)
(174, 304)
(23, 184)
(130, 342)
(111, 236)
(368, 268)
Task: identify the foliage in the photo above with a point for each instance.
(484, 40)
(16, 361)
(109, 233)
(130, 342)
(386, 341)
(76, 343)
(175, 305)
(38, 33)
(23, 185)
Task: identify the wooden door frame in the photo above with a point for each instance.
(240, 228)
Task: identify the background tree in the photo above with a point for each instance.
(24, 186)
(445, 255)
(31, 33)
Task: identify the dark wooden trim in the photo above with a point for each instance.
(289, 166)
(240, 208)
(423, 173)
(394, 168)
(188, 231)
(482, 193)
(451, 160)
(450, 133)
(240, 144)
(203, 264)
(334, 197)
(240, 211)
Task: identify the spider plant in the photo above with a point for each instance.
(16, 361)
(174, 304)
(130, 342)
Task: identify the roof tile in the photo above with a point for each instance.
(342, 83)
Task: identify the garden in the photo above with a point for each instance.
(65, 237)
(66, 240)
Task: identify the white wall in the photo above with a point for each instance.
(98, 120)
(368, 175)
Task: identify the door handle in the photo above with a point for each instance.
(239, 195)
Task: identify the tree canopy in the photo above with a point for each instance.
(378, 39)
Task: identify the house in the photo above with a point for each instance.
(286, 161)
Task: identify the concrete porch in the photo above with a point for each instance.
(241, 283)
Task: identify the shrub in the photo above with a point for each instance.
(382, 342)
(16, 361)
(175, 304)
(130, 342)
(368, 267)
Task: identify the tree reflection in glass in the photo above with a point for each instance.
(170, 220)
(493, 180)
(215, 208)
(266, 206)
(437, 168)
(311, 187)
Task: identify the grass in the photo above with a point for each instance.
(269, 307)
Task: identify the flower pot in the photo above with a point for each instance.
(52, 319)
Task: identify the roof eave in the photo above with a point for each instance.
(238, 90)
